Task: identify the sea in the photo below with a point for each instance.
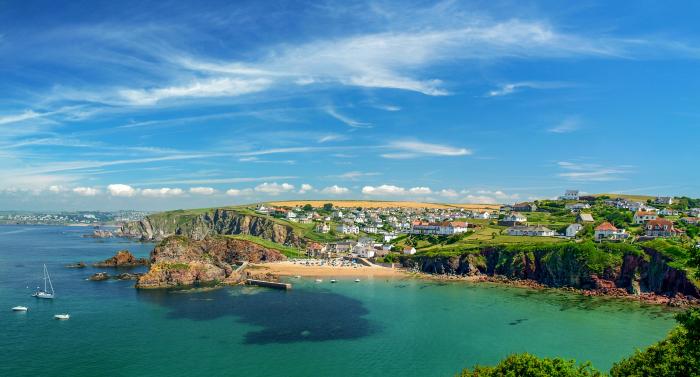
(375, 327)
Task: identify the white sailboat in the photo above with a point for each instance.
(45, 293)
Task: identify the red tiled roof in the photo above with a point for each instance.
(606, 226)
(645, 213)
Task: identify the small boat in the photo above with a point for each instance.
(319, 280)
(357, 280)
(19, 309)
(298, 276)
(62, 316)
(45, 293)
(333, 280)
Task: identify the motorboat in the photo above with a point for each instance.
(20, 309)
(61, 316)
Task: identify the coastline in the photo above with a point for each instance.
(289, 269)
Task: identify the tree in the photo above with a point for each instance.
(308, 207)
(328, 207)
(527, 365)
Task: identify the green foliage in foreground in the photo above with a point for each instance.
(526, 365)
(676, 356)
(290, 252)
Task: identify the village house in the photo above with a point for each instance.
(409, 250)
(584, 218)
(323, 228)
(695, 212)
(482, 215)
(573, 229)
(445, 228)
(317, 250)
(668, 212)
(262, 209)
(525, 207)
(533, 231)
(667, 200)
(370, 229)
(691, 220)
(363, 251)
(608, 231)
(570, 195)
(640, 217)
(512, 219)
(342, 247)
(574, 207)
(660, 228)
(347, 229)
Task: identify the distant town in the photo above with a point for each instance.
(70, 218)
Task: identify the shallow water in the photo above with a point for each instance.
(376, 327)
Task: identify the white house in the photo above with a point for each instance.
(573, 229)
(577, 206)
(570, 195)
(533, 231)
(482, 215)
(363, 251)
(409, 250)
(347, 229)
(668, 200)
(668, 212)
(640, 217)
(607, 230)
(323, 228)
(515, 217)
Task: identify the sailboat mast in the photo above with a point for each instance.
(48, 277)
(45, 274)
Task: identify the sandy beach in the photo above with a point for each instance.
(288, 268)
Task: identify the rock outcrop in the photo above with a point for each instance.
(633, 273)
(220, 221)
(76, 265)
(181, 261)
(100, 276)
(123, 258)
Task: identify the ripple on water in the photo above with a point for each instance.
(283, 317)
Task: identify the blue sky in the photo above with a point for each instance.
(159, 105)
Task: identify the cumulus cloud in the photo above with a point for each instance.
(448, 193)
(202, 190)
(488, 197)
(383, 190)
(274, 188)
(335, 190)
(56, 188)
(420, 190)
(85, 191)
(305, 188)
(162, 192)
(122, 190)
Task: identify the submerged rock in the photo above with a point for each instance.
(123, 258)
(128, 276)
(100, 276)
(76, 265)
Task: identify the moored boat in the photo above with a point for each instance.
(45, 292)
(20, 309)
(61, 316)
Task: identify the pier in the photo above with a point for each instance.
(269, 284)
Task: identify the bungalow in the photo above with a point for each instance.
(584, 218)
(570, 195)
(445, 228)
(525, 207)
(573, 207)
(607, 230)
(409, 250)
(482, 215)
(640, 217)
(347, 229)
(534, 231)
(668, 200)
(661, 228)
(512, 219)
(573, 229)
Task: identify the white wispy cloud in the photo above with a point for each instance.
(411, 149)
(14, 118)
(575, 171)
(510, 88)
(216, 87)
(347, 120)
(567, 125)
(354, 175)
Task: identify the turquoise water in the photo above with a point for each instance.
(372, 328)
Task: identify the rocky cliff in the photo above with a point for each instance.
(182, 261)
(576, 266)
(220, 221)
